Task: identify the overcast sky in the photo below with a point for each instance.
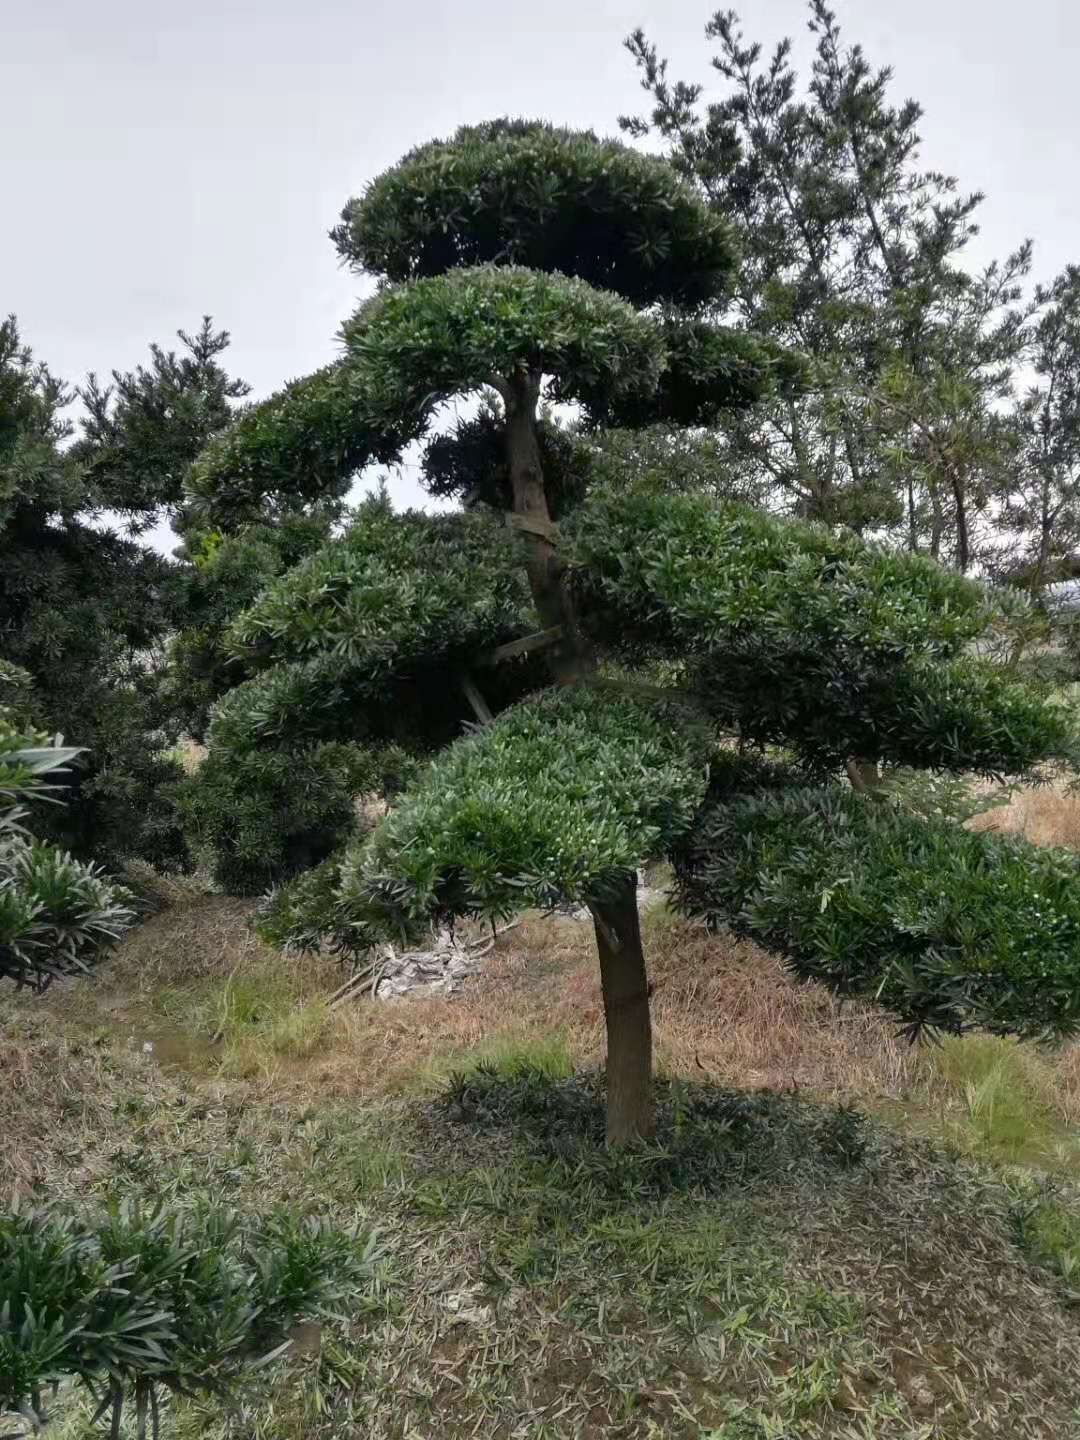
(167, 160)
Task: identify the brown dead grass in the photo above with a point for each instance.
(1045, 815)
(723, 1010)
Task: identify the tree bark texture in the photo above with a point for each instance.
(568, 659)
(630, 1108)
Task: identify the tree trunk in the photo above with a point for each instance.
(630, 1112)
(568, 659)
(864, 774)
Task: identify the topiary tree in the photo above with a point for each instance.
(609, 661)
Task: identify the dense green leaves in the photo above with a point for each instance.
(551, 804)
(392, 590)
(710, 371)
(420, 342)
(793, 635)
(56, 914)
(303, 444)
(685, 566)
(142, 432)
(260, 813)
(525, 193)
(947, 928)
(139, 1297)
(469, 463)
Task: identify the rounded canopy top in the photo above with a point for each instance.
(522, 192)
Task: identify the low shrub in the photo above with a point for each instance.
(144, 1297)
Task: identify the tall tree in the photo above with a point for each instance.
(1041, 514)
(493, 245)
(854, 256)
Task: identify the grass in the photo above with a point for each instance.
(835, 1237)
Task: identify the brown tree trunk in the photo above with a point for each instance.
(630, 1113)
(630, 1110)
(864, 774)
(568, 659)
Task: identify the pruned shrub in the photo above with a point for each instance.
(947, 928)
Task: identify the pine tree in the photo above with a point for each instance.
(84, 608)
(598, 665)
(856, 257)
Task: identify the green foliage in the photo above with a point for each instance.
(668, 459)
(551, 804)
(227, 572)
(84, 610)
(795, 635)
(394, 590)
(522, 192)
(428, 339)
(711, 370)
(142, 432)
(946, 928)
(56, 914)
(302, 445)
(142, 1297)
(363, 642)
(33, 472)
(262, 813)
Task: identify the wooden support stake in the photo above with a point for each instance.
(539, 640)
(476, 700)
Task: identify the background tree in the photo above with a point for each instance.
(141, 433)
(853, 256)
(84, 609)
(774, 633)
(1041, 514)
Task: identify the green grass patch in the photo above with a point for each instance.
(994, 1100)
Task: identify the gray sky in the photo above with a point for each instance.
(166, 160)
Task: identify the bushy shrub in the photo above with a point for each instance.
(142, 1297)
(56, 913)
(260, 815)
(947, 928)
(794, 635)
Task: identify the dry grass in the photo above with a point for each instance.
(196, 984)
(1044, 814)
